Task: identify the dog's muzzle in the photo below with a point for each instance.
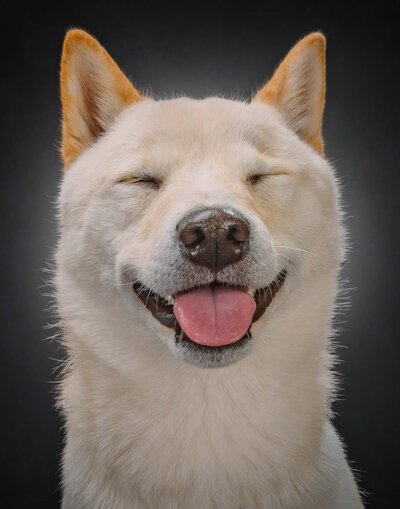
(212, 321)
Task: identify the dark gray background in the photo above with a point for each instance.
(201, 51)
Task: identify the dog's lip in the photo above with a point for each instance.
(163, 311)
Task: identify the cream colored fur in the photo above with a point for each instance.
(145, 429)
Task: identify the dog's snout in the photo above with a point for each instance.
(214, 237)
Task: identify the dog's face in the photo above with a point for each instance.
(198, 215)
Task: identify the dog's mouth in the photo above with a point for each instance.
(213, 317)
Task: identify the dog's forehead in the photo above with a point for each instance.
(210, 121)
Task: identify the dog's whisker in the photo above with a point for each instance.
(295, 249)
(148, 296)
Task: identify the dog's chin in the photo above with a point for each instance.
(162, 309)
(212, 356)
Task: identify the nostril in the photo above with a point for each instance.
(239, 233)
(191, 236)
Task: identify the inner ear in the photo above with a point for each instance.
(297, 89)
(94, 91)
(92, 110)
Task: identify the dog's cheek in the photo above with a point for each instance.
(275, 202)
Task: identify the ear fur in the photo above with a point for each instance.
(94, 91)
(297, 89)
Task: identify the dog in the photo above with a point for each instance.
(196, 277)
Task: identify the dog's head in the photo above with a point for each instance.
(193, 218)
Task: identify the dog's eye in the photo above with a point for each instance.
(145, 180)
(256, 178)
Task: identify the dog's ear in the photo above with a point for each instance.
(94, 91)
(297, 89)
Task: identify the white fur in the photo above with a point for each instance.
(145, 429)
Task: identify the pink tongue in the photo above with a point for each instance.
(215, 316)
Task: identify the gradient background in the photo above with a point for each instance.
(200, 51)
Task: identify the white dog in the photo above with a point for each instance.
(196, 278)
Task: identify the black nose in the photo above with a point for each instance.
(214, 238)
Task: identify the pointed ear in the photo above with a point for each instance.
(297, 89)
(94, 91)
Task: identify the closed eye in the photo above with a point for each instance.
(141, 179)
(256, 178)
